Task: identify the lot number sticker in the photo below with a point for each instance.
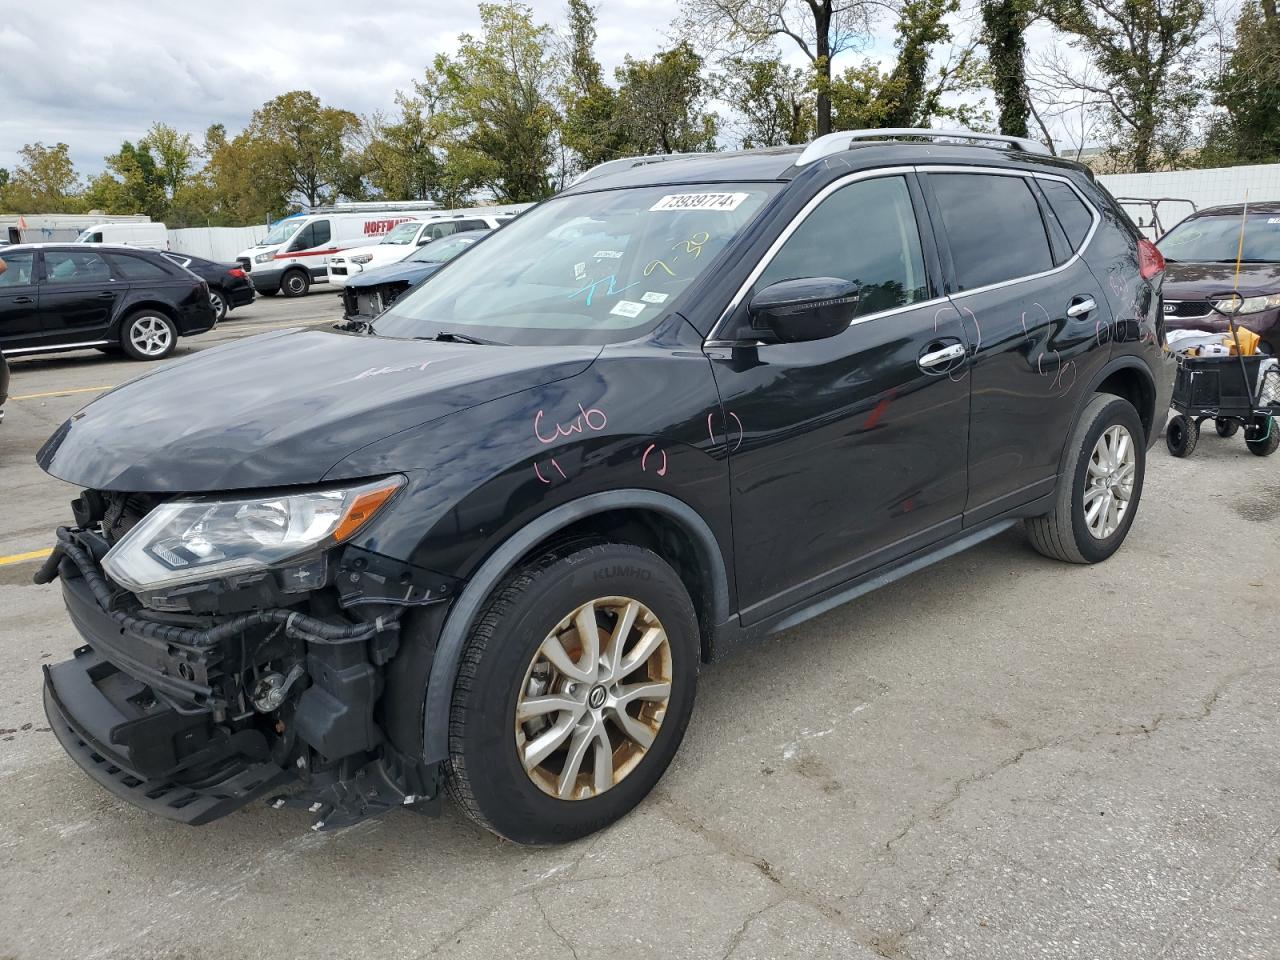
(627, 308)
(652, 297)
(699, 201)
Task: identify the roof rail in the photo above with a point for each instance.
(831, 143)
(626, 163)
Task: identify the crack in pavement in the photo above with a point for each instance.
(552, 927)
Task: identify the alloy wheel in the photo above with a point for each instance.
(1108, 487)
(215, 301)
(150, 335)
(593, 698)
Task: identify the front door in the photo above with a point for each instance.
(846, 452)
(19, 301)
(1040, 327)
(78, 296)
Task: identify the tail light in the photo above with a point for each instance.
(236, 272)
(1150, 260)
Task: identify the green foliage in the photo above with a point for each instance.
(662, 103)
(304, 148)
(1145, 51)
(496, 98)
(44, 181)
(591, 126)
(777, 102)
(403, 157)
(1005, 24)
(1249, 92)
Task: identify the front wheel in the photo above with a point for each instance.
(573, 693)
(148, 335)
(1098, 493)
(295, 283)
(1261, 436)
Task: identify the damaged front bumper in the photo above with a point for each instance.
(193, 716)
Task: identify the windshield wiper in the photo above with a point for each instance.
(448, 336)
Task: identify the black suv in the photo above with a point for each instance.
(484, 542)
(71, 296)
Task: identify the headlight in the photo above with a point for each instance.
(1236, 304)
(264, 257)
(361, 257)
(186, 541)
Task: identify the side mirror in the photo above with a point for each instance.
(423, 241)
(813, 308)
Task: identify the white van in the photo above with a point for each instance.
(410, 235)
(152, 236)
(296, 251)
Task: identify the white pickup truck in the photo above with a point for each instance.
(408, 236)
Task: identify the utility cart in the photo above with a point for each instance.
(1228, 391)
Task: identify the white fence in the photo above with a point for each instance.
(1205, 188)
(215, 243)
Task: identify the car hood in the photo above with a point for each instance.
(396, 272)
(282, 408)
(1204, 281)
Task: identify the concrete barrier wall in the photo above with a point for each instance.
(215, 243)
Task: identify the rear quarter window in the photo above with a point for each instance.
(1072, 214)
(138, 268)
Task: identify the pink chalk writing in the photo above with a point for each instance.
(644, 459)
(738, 421)
(555, 463)
(590, 418)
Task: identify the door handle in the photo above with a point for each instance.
(24, 299)
(107, 295)
(1081, 305)
(937, 358)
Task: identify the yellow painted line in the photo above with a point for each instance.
(63, 393)
(24, 557)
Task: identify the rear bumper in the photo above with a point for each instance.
(96, 712)
(241, 296)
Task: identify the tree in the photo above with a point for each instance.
(1144, 50)
(1249, 90)
(304, 145)
(44, 181)
(774, 101)
(661, 103)
(1005, 23)
(173, 154)
(403, 158)
(131, 184)
(240, 182)
(591, 126)
(496, 97)
(821, 29)
(908, 95)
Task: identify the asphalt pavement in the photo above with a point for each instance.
(1002, 757)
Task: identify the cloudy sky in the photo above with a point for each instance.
(92, 74)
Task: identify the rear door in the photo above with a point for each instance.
(78, 296)
(1038, 321)
(19, 301)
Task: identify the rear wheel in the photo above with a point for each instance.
(148, 335)
(1261, 436)
(1181, 436)
(295, 283)
(1226, 428)
(218, 301)
(1098, 493)
(573, 694)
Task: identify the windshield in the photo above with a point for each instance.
(588, 268)
(442, 250)
(89, 236)
(403, 234)
(1217, 239)
(281, 232)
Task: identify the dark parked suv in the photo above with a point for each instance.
(72, 296)
(484, 544)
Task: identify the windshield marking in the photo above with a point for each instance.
(613, 291)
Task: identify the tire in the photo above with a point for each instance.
(1067, 532)
(148, 335)
(218, 300)
(503, 666)
(1226, 428)
(295, 283)
(1267, 442)
(1181, 436)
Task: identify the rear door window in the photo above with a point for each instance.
(68, 266)
(993, 227)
